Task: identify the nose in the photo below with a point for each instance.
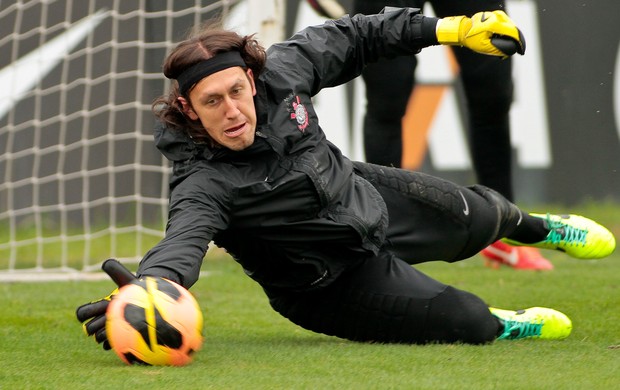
(231, 109)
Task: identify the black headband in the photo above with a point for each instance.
(199, 71)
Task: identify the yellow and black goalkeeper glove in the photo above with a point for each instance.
(489, 32)
(92, 314)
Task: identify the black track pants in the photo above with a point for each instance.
(434, 219)
(385, 299)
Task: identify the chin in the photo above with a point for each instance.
(241, 145)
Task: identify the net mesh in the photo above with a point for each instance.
(80, 178)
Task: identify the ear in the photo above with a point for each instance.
(251, 79)
(187, 108)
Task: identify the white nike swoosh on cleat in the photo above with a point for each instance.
(511, 258)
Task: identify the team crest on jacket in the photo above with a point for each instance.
(300, 114)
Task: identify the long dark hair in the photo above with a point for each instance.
(204, 44)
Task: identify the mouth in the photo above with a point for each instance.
(235, 131)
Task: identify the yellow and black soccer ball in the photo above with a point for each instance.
(154, 321)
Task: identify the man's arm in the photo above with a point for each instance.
(335, 52)
(195, 216)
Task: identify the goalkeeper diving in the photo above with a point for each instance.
(334, 242)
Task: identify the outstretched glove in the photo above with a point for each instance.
(488, 32)
(327, 8)
(92, 315)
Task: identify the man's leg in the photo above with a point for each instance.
(435, 219)
(388, 85)
(383, 299)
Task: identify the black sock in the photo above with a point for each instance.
(531, 230)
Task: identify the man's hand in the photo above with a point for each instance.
(489, 32)
(92, 314)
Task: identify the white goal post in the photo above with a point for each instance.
(80, 178)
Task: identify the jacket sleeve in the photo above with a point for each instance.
(195, 216)
(335, 52)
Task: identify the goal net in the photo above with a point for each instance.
(80, 177)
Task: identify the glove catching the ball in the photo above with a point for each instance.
(92, 315)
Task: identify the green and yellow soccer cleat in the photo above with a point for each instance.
(533, 323)
(578, 236)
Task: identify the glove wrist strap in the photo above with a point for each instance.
(448, 30)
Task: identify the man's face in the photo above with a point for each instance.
(224, 104)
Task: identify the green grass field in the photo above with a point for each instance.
(249, 346)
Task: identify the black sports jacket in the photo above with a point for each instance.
(289, 208)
